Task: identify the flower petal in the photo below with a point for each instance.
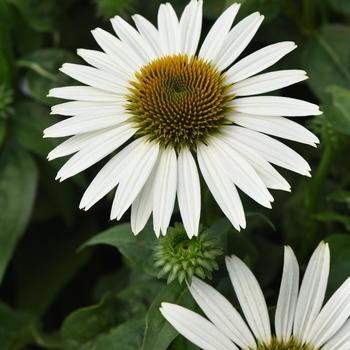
(95, 151)
(275, 106)
(341, 341)
(276, 126)
(270, 149)
(218, 33)
(287, 299)
(188, 192)
(267, 82)
(222, 314)
(250, 297)
(259, 61)
(190, 27)
(238, 39)
(196, 328)
(221, 187)
(332, 316)
(164, 191)
(312, 292)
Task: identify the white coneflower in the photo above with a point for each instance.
(160, 103)
(301, 323)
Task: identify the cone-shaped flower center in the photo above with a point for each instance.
(178, 101)
(292, 344)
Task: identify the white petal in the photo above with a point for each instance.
(191, 26)
(287, 299)
(196, 328)
(82, 124)
(109, 176)
(240, 172)
(270, 149)
(74, 144)
(276, 126)
(222, 314)
(133, 178)
(275, 106)
(267, 82)
(258, 61)
(169, 29)
(332, 316)
(95, 78)
(341, 341)
(103, 61)
(149, 33)
(221, 187)
(250, 297)
(188, 192)
(268, 174)
(164, 191)
(83, 93)
(119, 51)
(218, 33)
(238, 39)
(130, 36)
(95, 151)
(312, 292)
(85, 108)
(141, 208)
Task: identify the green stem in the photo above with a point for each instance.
(37, 68)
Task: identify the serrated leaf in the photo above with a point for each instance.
(18, 183)
(159, 333)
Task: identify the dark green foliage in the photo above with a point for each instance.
(56, 295)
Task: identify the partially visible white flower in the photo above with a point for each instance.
(154, 91)
(301, 323)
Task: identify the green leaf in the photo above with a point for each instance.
(16, 328)
(181, 343)
(341, 196)
(342, 6)
(326, 59)
(328, 216)
(18, 183)
(338, 111)
(43, 72)
(340, 260)
(82, 326)
(159, 333)
(127, 336)
(137, 249)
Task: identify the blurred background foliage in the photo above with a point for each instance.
(72, 280)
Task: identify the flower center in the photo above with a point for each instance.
(178, 101)
(292, 344)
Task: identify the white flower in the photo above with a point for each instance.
(160, 103)
(301, 323)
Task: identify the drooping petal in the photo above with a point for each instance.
(287, 299)
(258, 61)
(196, 328)
(164, 190)
(267, 82)
(95, 151)
(221, 187)
(332, 316)
(109, 176)
(222, 314)
(188, 192)
(276, 126)
(270, 149)
(250, 297)
(238, 39)
(190, 27)
(133, 178)
(275, 106)
(218, 33)
(312, 292)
